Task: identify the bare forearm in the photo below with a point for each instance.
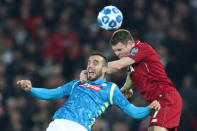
(112, 68)
(115, 66)
(128, 84)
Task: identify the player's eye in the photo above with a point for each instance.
(89, 62)
(95, 62)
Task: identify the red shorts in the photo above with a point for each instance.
(170, 112)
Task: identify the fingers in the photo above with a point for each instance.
(155, 105)
(127, 93)
(83, 76)
(131, 91)
(24, 84)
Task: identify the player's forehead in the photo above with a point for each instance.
(119, 45)
(95, 58)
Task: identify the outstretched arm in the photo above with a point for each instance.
(133, 111)
(42, 93)
(141, 112)
(113, 67)
(136, 112)
(117, 65)
(47, 94)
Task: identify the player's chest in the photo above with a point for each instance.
(92, 90)
(90, 87)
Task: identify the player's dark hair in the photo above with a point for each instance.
(105, 62)
(121, 35)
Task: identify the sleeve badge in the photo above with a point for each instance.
(134, 51)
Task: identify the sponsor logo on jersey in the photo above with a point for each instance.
(92, 87)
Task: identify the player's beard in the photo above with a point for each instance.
(96, 77)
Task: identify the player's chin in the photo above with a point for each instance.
(91, 78)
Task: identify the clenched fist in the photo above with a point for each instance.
(84, 76)
(127, 93)
(24, 84)
(155, 105)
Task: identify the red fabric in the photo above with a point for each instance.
(169, 114)
(150, 78)
(31, 22)
(65, 44)
(149, 75)
(60, 45)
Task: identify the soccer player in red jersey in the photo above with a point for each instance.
(148, 75)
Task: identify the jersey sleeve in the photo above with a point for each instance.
(128, 108)
(139, 52)
(52, 94)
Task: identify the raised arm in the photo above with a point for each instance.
(45, 94)
(113, 67)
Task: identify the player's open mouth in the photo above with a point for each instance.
(91, 72)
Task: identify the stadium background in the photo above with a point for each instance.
(48, 42)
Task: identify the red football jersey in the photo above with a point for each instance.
(148, 73)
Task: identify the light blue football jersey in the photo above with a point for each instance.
(87, 101)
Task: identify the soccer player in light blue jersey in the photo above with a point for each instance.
(87, 101)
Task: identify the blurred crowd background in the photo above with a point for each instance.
(48, 42)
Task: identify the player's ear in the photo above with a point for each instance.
(130, 42)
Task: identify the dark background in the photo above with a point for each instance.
(48, 42)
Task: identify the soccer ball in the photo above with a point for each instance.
(110, 18)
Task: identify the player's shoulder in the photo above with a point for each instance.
(141, 44)
(77, 81)
(110, 84)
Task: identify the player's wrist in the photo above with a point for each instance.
(28, 89)
(149, 108)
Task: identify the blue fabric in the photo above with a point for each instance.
(85, 103)
(129, 109)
